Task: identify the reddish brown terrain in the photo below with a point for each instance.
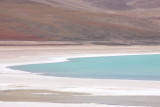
(115, 22)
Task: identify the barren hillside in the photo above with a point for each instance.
(76, 20)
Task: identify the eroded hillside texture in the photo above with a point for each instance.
(124, 22)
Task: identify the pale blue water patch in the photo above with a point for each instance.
(139, 67)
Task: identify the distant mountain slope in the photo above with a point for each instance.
(110, 4)
(103, 4)
(147, 9)
(145, 4)
(73, 20)
(124, 4)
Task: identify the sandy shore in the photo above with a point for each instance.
(17, 55)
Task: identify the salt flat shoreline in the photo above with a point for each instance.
(31, 104)
(16, 55)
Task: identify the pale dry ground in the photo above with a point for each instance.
(15, 55)
(27, 53)
(76, 98)
(32, 104)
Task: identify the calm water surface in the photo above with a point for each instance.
(139, 67)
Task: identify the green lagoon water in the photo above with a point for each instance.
(134, 67)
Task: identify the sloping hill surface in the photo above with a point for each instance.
(68, 20)
(110, 4)
(145, 4)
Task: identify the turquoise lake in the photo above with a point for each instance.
(133, 67)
